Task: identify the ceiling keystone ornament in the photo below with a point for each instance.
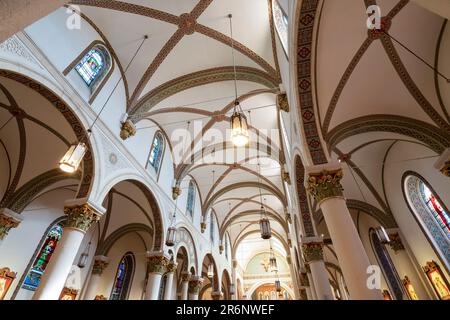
(325, 184)
(195, 284)
(81, 217)
(8, 221)
(100, 264)
(396, 242)
(282, 102)
(443, 163)
(313, 251)
(157, 263)
(127, 130)
(187, 23)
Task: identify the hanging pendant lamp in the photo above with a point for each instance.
(210, 273)
(278, 285)
(273, 264)
(266, 232)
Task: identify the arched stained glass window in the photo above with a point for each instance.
(281, 22)
(94, 65)
(190, 199)
(33, 277)
(124, 275)
(156, 151)
(430, 213)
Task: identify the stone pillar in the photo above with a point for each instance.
(157, 266)
(100, 264)
(323, 183)
(8, 221)
(185, 285)
(16, 15)
(304, 282)
(195, 284)
(404, 265)
(292, 272)
(80, 217)
(171, 269)
(313, 252)
(312, 287)
(216, 295)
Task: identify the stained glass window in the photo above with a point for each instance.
(91, 66)
(33, 277)
(190, 199)
(123, 279)
(442, 217)
(281, 24)
(156, 151)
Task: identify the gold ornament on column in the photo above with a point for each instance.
(396, 242)
(127, 130)
(157, 264)
(7, 222)
(195, 284)
(325, 184)
(313, 251)
(99, 266)
(81, 217)
(171, 267)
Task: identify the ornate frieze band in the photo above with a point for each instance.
(81, 217)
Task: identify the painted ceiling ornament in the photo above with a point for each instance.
(282, 102)
(313, 251)
(187, 23)
(127, 130)
(81, 217)
(325, 184)
(396, 242)
(8, 221)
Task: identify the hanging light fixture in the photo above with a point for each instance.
(266, 232)
(273, 264)
(172, 231)
(278, 285)
(82, 262)
(239, 125)
(72, 159)
(210, 271)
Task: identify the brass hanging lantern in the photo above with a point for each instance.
(210, 271)
(273, 264)
(239, 129)
(73, 157)
(171, 235)
(278, 285)
(82, 262)
(266, 232)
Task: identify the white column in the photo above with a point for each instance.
(157, 266)
(313, 252)
(184, 285)
(100, 264)
(323, 183)
(8, 220)
(312, 287)
(16, 15)
(79, 219)
(304, 282)
(171, 269)
(195, 284)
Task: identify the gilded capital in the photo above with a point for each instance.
(443, 163)
(157, 264)
(325, 184)
(127, 130)
(171, 267)
(396, 242)
(285, 176)
(221, 248)
(185, 276)
(100, 264)
(282, 102)
(81, 217)
(195, 284)
(8, 221)
(176, 191)
(203, 227)
(313, 251)
(303, 295)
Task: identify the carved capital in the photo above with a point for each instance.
(203, 227)
(443, 163)
(176, 191)
(303, 295)
(282, 102)
(285, 176)
(288, 216)
(185, 276)
(171, 267)
(157, 264)
(195, 284)
(313, 251)
(81, 217)
(100, 264)
(8, 221)
(221, 248)
(127, 130)
(396, 242)
(325, 184)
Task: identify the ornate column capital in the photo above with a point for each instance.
(176, 191)
(221, 248)
(396, 242)
(288, 215)
(81, 216)
(195, 284)
(235, 263)
(185, 276)
(216, 295)
(127, 130)
(172, 267)
(203, 226)
(8, 221)
(324, 182)
(282, 102)
(312, 249)
(443, 163)
(285, 176)
(157, 262)
(100, 264)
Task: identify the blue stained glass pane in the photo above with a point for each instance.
(442, 217)
(191, 199)
(90, 66)
(156, 151)
(33, 277)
